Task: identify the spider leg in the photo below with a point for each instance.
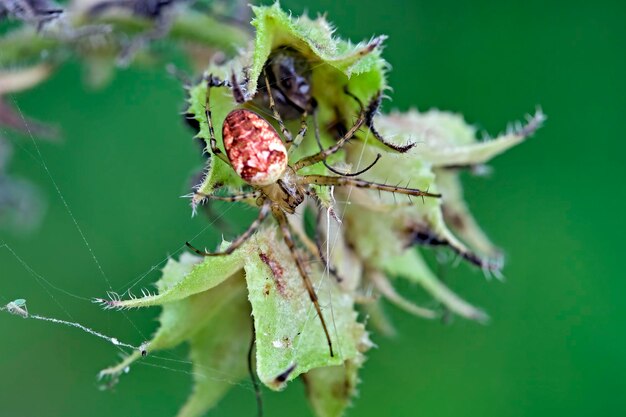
(236, 88)
(286, 133)
(280, 217)
(265, 209)
(231, 198)
(210, 83)
(352, 174)
(323, 154)
(198, 199)
(301, 133)
(314, 248)
(372, 109)
(355, 182)
(316, 129)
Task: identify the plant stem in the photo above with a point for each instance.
(26, 45)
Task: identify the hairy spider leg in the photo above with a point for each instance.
(280, 217)
(236, 89)
(316, 130)
(303, 125)
(233, 197)
(314, 246)
(213, 82)
(353, 174)
(283, 129)
(323, 154)
(301, 133)
(372, 109)
(265, 210)
(355, 182)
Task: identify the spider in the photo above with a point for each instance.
(255, 151)
(289, 73)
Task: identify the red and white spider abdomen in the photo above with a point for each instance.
(254, 148)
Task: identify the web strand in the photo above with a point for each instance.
(63, 200)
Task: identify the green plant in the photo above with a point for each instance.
(207, 303)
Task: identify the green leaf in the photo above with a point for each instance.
(176, 284)
(314, 39)
(445, 139)
(457, 215)
(411, 266)
(374, 218)
(205, 302)
(290, 340)
(330, 390)
(219, 350)
(181, 319)
(288, 335)
(216, 323)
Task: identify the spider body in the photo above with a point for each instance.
(255, 151)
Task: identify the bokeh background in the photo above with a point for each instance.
(556, 343)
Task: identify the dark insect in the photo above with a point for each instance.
(256, 152)
(289, 74)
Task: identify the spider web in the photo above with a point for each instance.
(171, 362)
(56, 293)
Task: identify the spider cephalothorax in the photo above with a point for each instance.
(256, 152)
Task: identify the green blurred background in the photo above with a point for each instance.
(556, 343)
